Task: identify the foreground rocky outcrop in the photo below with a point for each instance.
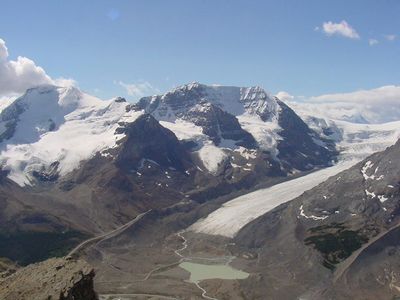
(53, 279)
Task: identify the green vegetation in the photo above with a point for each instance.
(331, 226)
(335, 242)
(30, 247)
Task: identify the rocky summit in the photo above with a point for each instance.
(53, 279)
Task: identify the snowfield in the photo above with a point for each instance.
(212, 157)
(235, 214)
(357, 129)
(360, 140)
(60, 125)
(265, 133)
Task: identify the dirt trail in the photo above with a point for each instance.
(106, 236)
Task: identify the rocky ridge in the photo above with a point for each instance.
(55, 279)
(333, 238)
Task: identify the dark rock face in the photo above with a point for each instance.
(58, 279)
(298, 148)
(218, 124)
(49, 174)
(147, 139)
(10, 116)
(3, 175)
(179, 101)
(120, 100)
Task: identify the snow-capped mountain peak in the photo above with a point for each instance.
(55, 126)
(256, 101)
(232, 99)
(49, 131)
(40, 110)
(228, 117)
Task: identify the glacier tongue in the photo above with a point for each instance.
(234, 214)
(355, 141)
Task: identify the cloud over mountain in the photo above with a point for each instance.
(389, 94)
(138, 89)
(378, 105)
(16, 76)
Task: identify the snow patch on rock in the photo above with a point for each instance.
(382, 198)
(315, 218)
(265, 133)
(212, 157)
(368, 165)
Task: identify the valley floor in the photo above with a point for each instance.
(143, 263)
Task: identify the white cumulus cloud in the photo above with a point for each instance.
(389, 94)
(378, 105)
(390, 37)
(138, 89)
(372, 42)
(16, 76)
(284, 96)
(342, 29)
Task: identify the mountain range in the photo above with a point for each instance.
(238, 171)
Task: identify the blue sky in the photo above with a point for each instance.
(151, 45)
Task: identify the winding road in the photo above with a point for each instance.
(106, 236)
(132, 296)
(345, 265)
